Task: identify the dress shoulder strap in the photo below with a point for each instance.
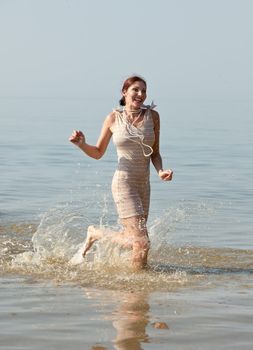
(148, 109)
(152, 106)
(118, 116)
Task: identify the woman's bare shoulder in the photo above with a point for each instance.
(110, 118)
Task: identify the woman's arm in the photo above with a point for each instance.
(96, 152)
(156, 156)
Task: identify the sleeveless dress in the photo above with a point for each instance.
(130, 184)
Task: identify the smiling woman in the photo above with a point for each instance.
(136, 89)
(135, 129)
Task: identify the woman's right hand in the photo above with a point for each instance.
(77, 138)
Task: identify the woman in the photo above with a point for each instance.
(135, 130)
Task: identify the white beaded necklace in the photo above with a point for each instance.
(134, 132)
(129, 115)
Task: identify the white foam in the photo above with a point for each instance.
(77, 258)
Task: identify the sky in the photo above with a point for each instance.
(185, 49)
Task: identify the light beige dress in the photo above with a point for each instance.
(130, 184)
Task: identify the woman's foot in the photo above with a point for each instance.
(92, 236)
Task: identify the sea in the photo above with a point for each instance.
(198, 290)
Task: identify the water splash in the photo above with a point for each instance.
(46, 249)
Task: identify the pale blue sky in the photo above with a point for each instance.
(186, 49)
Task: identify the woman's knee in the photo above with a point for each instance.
(135, 229)
(135, 224)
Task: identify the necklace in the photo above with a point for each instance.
(135, 134)
(130, 115)
(132, 110)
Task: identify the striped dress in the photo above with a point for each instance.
(130, 184)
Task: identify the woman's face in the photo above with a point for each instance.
(135, 95)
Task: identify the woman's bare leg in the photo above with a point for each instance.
(135, 227)
(95, 233)
(134, 236)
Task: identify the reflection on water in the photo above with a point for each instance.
(129, 318)
(130, 321)
(65, 316)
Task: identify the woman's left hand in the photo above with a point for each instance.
(166, 175)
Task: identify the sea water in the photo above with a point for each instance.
(200, 224)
